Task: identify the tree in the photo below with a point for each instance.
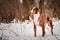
(8, 10)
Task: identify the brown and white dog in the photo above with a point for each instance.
(40, 19)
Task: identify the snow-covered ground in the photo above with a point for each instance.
(24, 31)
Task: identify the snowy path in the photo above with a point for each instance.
(24, 31)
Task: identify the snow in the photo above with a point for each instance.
(24, 31)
